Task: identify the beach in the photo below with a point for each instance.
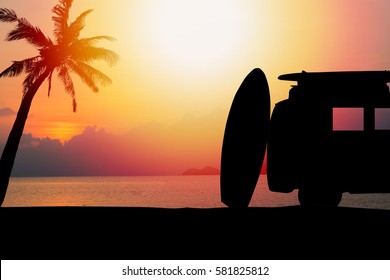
(291, 232)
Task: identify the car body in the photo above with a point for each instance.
(332, 135)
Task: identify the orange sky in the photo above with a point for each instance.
(181, 63)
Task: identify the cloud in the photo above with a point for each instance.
(146, 150)
(28, 141)
(149, 149)
(92, 153)
(6, 112)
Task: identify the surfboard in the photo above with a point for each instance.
(245, 140)
(353, 76)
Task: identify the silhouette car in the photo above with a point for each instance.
(332, 135)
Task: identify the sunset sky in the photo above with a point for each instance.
(180, 65)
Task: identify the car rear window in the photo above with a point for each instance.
(382, 118)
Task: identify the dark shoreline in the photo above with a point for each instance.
(291, 232)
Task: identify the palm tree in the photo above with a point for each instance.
(68, 53)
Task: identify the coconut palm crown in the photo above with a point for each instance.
(67, 54)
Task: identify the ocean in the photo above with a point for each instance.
(153, 191)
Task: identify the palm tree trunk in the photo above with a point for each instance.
(9, 153)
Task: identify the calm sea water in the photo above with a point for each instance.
(153, 191)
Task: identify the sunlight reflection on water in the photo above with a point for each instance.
(154, 191)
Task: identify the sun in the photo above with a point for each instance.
(57, 130)
(195, 34)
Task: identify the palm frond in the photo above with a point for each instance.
(18, 67)
(89, 75)
(14, 70)
(67, 54)
(89, 54)
(91, 41)
(49, 81)
(34, 70)
(84, 77)
(8, 15)
(76, 26)
(60, 19)
(25, 30)
(63, 74)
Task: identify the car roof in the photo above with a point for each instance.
(338, 76)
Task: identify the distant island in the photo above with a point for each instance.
(213, 171)
(203, 171)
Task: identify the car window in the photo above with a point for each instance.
(351, 119)
(382, 118)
